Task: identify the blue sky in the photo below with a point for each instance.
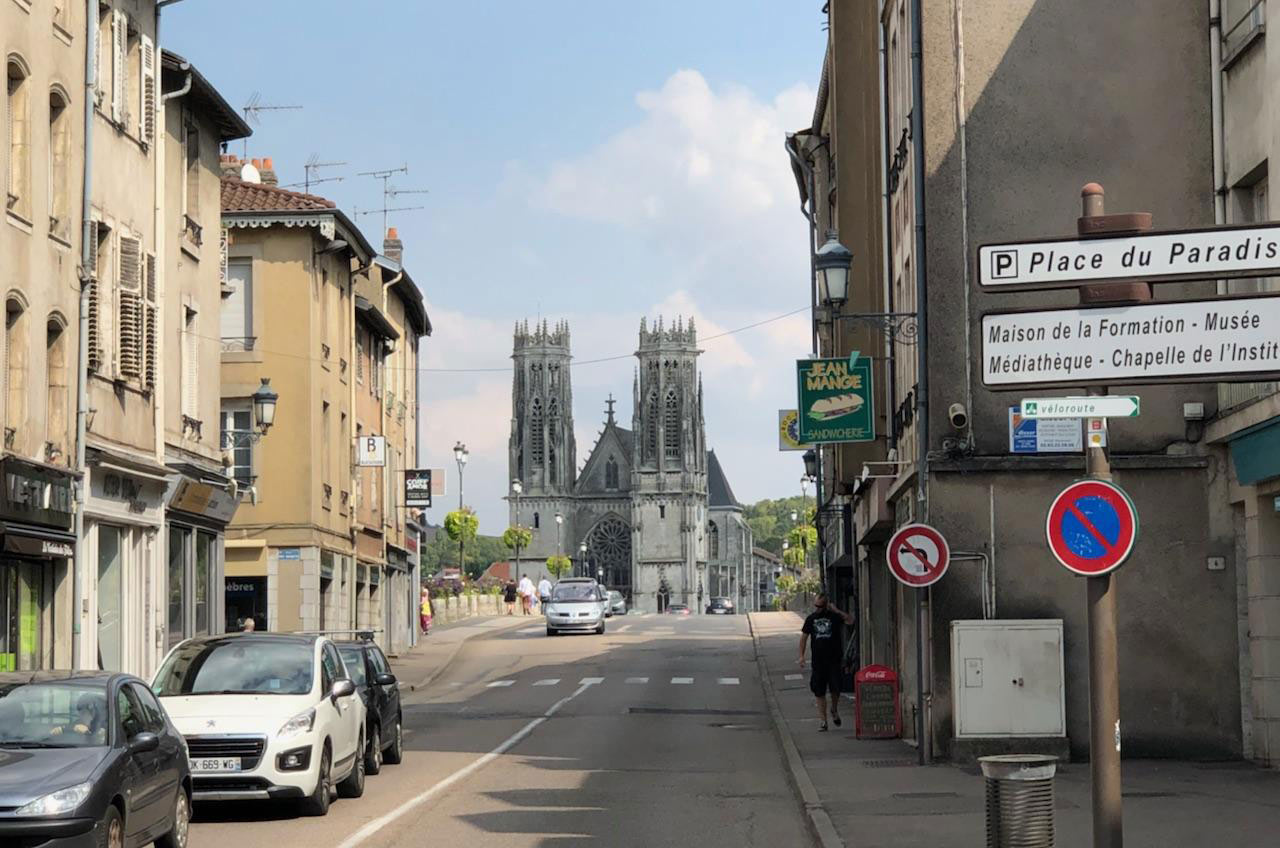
(591, 161)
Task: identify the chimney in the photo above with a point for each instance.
(269, 172)
(230, 165)
(392, 247)
(249, 171)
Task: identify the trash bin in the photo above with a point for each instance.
(1019, 800)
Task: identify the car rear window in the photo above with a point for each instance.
(237, 666)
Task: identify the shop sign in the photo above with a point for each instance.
(202, 499)
(124, 489)
(835, 401)
(36, 547)
(417, 487)
(36, 495)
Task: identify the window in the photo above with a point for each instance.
(325, 312)
(132, 116)
(360, 336)
(19, 184)
(240, 420)
(130, 310)
(26, 602)
(57, 390)
(536, 523)
(537, 436)
(190, 365)
(99, 253)
(15, 358)
(713, 540)
(191, 188)
(611, 474)
(662, 512)
(179, 538)
(131, 717)
(110, 597)
(326, 448)
(237, 306)
(671, 426)
(331, 665)
(204, 566)
(59, 167)
(651, 428)
(152, 715)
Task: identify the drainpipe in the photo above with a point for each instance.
(1215, 89)
(962, 116)
(922, 358)
(886, 234)
(82, 369)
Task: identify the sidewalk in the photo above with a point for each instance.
(416, 668)
(873, 795)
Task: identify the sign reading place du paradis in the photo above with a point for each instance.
(836, 403)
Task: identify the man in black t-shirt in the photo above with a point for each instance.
(825, 627)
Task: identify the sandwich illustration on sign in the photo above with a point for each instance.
(828, 408)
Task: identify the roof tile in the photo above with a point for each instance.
(240, 196)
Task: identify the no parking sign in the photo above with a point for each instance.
(1092, 527)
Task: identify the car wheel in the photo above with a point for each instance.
(551, 632)
(395, 751)
(177, 835)
(111, 834)
(318, 803)
(352, 786)
(373, 753)
(600, 629)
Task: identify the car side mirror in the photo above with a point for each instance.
(385, 678)
(342, 689)
(143, 743)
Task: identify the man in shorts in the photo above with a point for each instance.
(825, 628)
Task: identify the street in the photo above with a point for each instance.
(633, 738)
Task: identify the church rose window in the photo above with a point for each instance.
(610, 546)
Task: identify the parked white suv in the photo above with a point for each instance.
(577, 603)
(266, 716)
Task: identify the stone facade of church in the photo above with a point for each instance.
(636, 515)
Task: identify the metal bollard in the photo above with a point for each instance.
(1019, 800)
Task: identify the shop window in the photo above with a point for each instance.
(26, 599)
(205, 561)
(110, 597)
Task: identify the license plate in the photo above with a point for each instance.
(208, 764)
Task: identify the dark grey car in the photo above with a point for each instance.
(89, 759)
(377, 687)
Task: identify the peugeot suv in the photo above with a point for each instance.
(266, 716)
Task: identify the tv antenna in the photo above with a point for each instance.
(390, 192)
(253, 108)
(312, 165)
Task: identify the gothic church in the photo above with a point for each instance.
(639, 504)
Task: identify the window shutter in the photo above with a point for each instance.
(191, 373)
(119, 47)
(131, 329)
(130, 264)
(95, 338)
(222, 257)
(147, 123)
(150, 329)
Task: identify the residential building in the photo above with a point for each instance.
(768, 568)
(288, 316)
(731, 568)
(43, 170)
(1246, 430)
(199, 501)
(1004, 159)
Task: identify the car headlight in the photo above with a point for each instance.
(57, 803)
(301, 723)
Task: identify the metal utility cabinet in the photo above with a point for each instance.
(1007, 678)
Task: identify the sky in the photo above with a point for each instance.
(592, 162)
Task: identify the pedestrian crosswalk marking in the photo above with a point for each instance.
(500, 683)
(727, 681)
(793, 677)
(590, 681)
(681, 680)
(637, 680)
(550, 681)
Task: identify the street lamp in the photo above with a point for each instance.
(460, 454)
(832, 263)
(264, 414)
(811, 464)
(516, 488)
(582, 558)
(559, 524)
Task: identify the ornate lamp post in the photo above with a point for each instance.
(460, 455)
(559, 525)
(264, 413)
(516, 488)
(582, 558)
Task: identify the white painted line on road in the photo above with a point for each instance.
(637, 680)
(497, 684)
(680, 681)
(727, 681)
(622, 629)
(793, 677)
(550, 681)
(590, 681)
(530, 630)
(364, 833)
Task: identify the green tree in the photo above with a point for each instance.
(794, 557)
(558, 565)
(770, 520)
(517, 537)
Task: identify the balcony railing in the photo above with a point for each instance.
(242, 344)
(1231, 395)
(1252, 25)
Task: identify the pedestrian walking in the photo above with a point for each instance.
(825, 628)
(526, 594)
(509, 595)
(544, 593)
(424, 615)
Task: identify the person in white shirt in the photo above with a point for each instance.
(544, 593)
(526, 594)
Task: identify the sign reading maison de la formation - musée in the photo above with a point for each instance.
(836, 402)
(1193, 341)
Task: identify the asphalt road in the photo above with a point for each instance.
(655, 734)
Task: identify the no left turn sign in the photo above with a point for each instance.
(918, 555)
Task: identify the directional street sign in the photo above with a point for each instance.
(1091, 527)
(1116, 406)
(918, 555)
(1234, 338)
(1167, 256)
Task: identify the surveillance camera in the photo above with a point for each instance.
(959, 415)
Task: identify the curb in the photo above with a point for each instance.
(448, 660)
(824, 831)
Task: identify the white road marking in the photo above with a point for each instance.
(727, 681)
(590, 681)
(530, 630)
(364, 833)
(637, 680)
(681, 680)
(793, 677)
(550, 681)
(498, 684)
(622, 629)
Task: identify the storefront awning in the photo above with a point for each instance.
(1255, 452)
(31, 541)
